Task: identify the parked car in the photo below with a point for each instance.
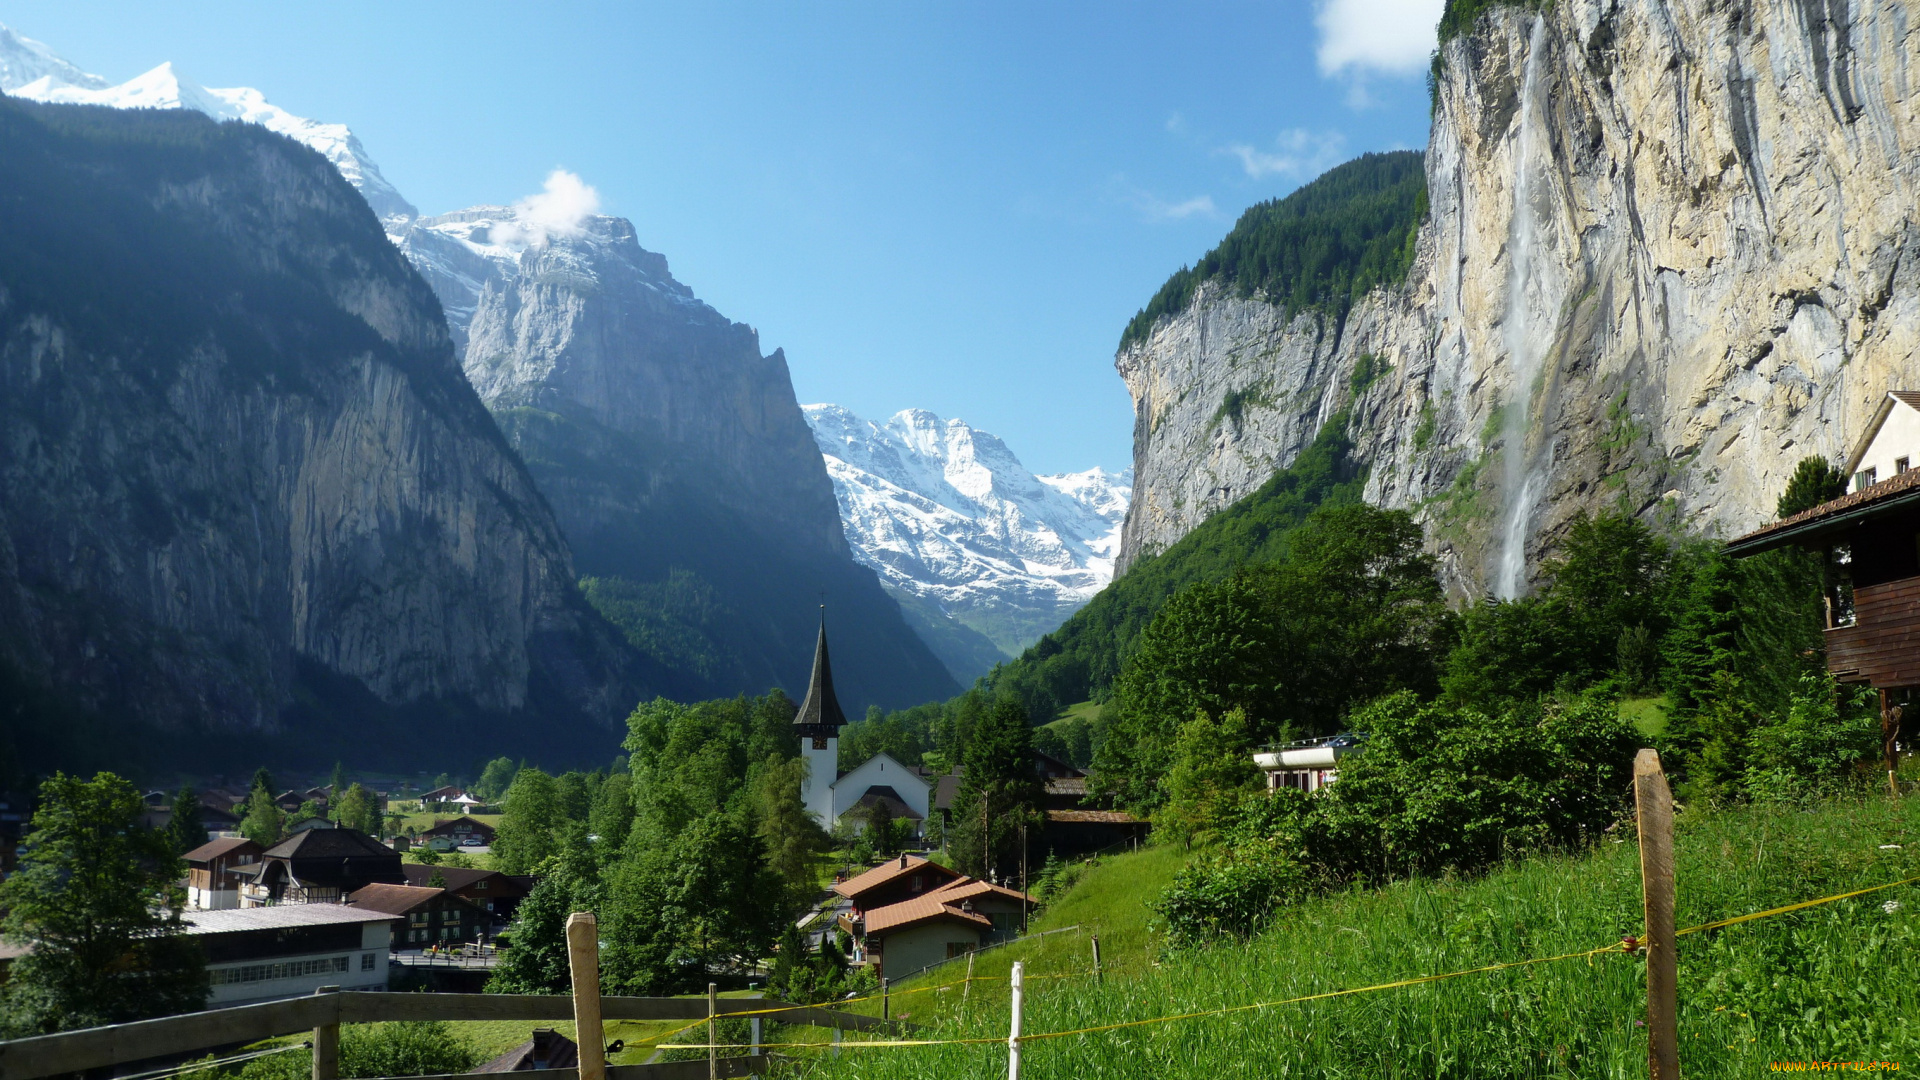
(471, 841)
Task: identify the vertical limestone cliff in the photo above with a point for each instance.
(1671, 250)
(248, 504)
(674, 454)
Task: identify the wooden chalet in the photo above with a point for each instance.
(1869, 540)
(423, 915)
(895, 880)
(496, 893)
(319, 866)
(213, 869)
(455, 832)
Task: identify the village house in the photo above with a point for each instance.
(952, 919)
(893, 881)
(1075, 821)
(319, 866)
(213, 869)
(423, 915)
(455, 832)
(1307, 765)
(1869, 541)
(258, 954)
(491, 891)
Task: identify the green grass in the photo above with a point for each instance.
(1648, 715)
(1085, 710)
(1830, 983)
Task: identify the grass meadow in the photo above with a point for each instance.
(1833, 983)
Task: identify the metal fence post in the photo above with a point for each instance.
(1096, 959)
(1013, 1039)
(966, 989)
(1653, 805)
(583, 957)
(326, 1044)
(713, 1032)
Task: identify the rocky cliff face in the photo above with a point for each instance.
(671, 449)
(1672, 249)
(245, 490)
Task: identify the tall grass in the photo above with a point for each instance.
(1830, 983)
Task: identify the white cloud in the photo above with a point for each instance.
(1154, 208)
(559, 210)
(1176, 124)
(1296, 152)
(1391, 36)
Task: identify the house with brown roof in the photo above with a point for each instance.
(212, 884)
(319, 866)
(952, 920)
(489, 890)
(455, 832)
(1869, 542)
(422, 915)
(1076, 823)
(895, 880)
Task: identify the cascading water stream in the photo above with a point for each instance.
(1523, 483)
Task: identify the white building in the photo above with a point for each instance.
(1305, 766)
(258, 954)
(827, 793)
(1891, 443)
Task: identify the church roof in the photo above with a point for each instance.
(821, 708)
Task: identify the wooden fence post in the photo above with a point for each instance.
(713, 1032)
(756, 1035)
(1096, 960)
(326, 1045)
(1653, 805)
(886, 999)
(966, 989)
(583, 957)
(1013, 1039)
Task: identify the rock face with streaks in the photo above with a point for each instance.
(1672, 249)
(245, 491)
(673, 452)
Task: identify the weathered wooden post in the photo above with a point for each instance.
(966, 988)
(713, 1032)
(1096, 960)
(756, 1036)
(1653, 805)
(583, 958)
(1013, 1039)
(326, 1045)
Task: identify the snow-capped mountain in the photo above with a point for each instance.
(29, 69)
(946, 514)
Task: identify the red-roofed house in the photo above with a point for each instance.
(895, 880)
(956, 918)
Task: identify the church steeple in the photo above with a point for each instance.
(820, 717)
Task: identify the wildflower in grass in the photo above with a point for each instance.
(1890, 906)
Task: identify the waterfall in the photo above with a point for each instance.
(1523, 482)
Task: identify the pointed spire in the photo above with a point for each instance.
(820, 714)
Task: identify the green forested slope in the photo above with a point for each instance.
(1323, 247)
(1081, 659)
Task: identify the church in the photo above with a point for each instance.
(830, 794)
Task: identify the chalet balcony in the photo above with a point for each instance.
(1882, 646)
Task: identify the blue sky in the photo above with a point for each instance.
(948, 207)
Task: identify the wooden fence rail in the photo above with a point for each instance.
(118, 1044)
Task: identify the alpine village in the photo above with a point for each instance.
(443, 644)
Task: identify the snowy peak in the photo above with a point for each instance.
(24, 60)
(947, 513)
(30, 70)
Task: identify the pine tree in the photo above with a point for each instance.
(186, 828)
(338, 783)
(263, 823)
(1814, 481)
(95, 897)
(998, 793)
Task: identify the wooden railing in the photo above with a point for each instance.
(174, 1036)
(181, 1038)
